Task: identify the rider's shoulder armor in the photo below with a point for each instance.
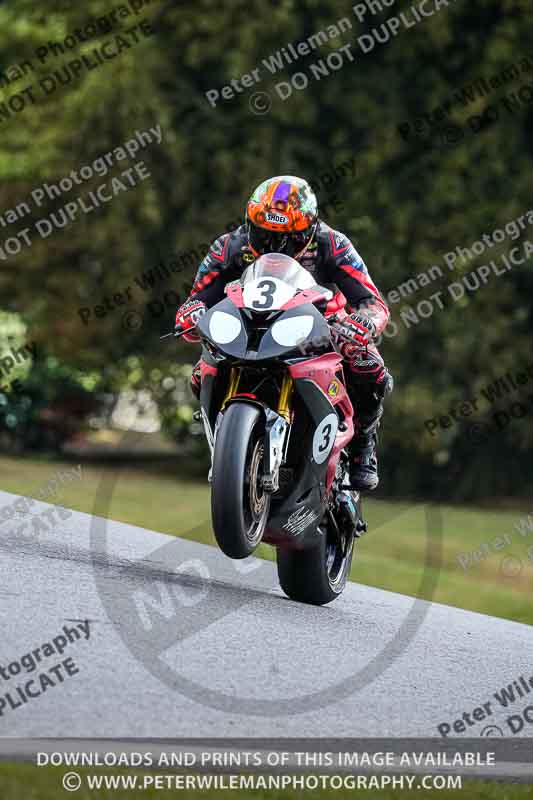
(337, 250)
(230, 252)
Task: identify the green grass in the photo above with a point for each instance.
(392, 556)
(28, 782)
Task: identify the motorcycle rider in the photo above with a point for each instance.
(282, 217)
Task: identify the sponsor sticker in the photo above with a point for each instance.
(300, 520)
(333, 389)
(276, 219)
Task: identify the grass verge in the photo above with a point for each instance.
(392, 556)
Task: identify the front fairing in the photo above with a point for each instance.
(242, 335)
(301, 324)
(211, 328)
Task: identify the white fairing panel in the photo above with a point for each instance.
(293, 331)
(324, 437)
(267, 294)
(224, 328)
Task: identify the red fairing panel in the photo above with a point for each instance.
(323, 371)
(207, 369)
(234, 293)
(343, 403)
(307, 296)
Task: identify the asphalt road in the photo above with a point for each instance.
(183, 642)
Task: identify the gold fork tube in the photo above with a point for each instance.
(285, 396)
(234, 379)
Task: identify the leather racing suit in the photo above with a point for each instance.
(335, 263)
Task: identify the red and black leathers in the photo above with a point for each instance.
(330, 257)
(334, 262)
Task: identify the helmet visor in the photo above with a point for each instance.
(265, 241)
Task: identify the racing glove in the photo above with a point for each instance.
(187, 317)
(355, 329)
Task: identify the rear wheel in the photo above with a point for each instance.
(317, 575)
(239, 505)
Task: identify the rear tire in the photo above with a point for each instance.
(239, 506)
(315, 575)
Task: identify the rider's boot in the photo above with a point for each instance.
(362, 449)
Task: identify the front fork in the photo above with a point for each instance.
(277, 432)
(211, 435)
(277, 429)
(285, 397)
(233, 386)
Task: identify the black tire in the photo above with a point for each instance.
(239, 507)
(316, 575)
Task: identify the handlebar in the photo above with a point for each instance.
(175, 335)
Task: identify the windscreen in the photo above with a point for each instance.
(281, 267)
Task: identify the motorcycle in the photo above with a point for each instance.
(277, 418)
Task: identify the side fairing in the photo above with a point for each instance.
(294, 518)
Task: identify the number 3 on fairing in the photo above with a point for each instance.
(324, 438)
(327, 438)
(267, 294)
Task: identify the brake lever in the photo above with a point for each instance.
(175, 335)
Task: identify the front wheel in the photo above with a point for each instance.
(239, 505)
(318, 574)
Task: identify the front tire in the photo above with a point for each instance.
(316, 575)
(239, 505)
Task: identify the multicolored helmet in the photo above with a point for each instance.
(281, 216)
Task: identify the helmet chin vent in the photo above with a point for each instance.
(267, 241)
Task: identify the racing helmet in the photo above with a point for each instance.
(281, 216)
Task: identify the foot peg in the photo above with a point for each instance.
(348, 511)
